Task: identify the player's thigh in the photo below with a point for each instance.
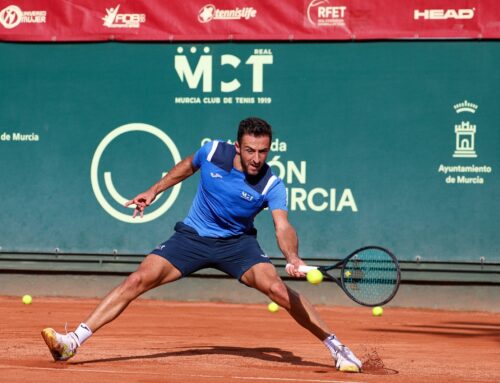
(155, 270)
(263, 277)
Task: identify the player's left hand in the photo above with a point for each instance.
(292, 268)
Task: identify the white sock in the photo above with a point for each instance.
(82, 332)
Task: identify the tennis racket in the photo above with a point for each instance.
(369, 276)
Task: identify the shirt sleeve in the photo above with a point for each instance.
(201, 154)
(276, 196)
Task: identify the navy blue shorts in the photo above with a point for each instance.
(189, 252)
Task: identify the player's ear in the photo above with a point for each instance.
(237, 147)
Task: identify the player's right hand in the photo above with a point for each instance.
(141, 201)
(292, 267)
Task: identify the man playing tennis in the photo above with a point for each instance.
(235, 185)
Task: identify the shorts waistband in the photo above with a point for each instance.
(181, 227)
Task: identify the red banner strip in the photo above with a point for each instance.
(157, 20)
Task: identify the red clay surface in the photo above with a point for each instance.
(157, 341)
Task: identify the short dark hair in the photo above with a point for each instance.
(255, 127)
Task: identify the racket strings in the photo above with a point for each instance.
(371, 277)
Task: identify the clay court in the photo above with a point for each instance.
(385, 133)
(159, 341)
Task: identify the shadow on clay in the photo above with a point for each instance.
(262, 353)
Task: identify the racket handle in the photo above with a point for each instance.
(305, 269)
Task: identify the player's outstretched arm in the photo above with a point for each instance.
(178, 173)
(287, 242)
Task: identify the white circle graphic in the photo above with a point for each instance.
(11, 16)
(94, 177)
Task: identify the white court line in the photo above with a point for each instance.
(181, 375)
(293, 379)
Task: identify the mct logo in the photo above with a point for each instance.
(193, 72)
(108, 182)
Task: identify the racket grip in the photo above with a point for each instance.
(305, 269)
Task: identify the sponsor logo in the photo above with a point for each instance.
(264, 256)
(465, 172)
(444, 14)
(215, 175)
(118, 198)
(326, 13)
(246, 196)
(198, 68)
(85, 327)
(465, 132)
(209, 12)
(11, 16)
(113, 19)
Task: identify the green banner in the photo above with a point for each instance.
(387, 143)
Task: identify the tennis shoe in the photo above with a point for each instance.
(345, 360)
(62, 347)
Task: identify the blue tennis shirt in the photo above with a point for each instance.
(227, 200)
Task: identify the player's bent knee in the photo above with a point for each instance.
(134, 283)
(278, 292)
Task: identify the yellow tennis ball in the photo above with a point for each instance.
(377, 311)
(27, 299)
(315, 276)
(273, 307)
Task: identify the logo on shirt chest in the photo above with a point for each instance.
(215, 175)
(246, 196)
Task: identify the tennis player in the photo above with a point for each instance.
(236, 183)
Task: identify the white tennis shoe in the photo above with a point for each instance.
(62, 347)
(345, 360)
